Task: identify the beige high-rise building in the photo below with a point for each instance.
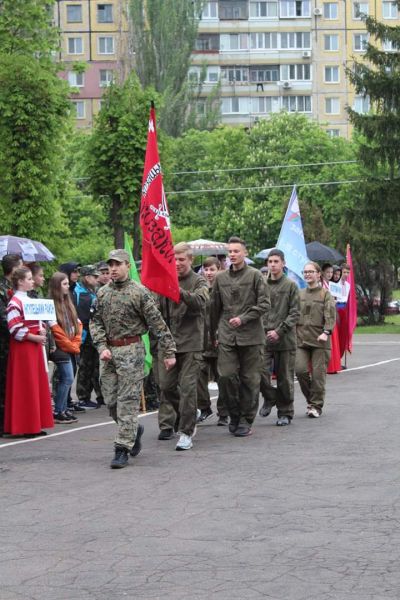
(94, 38)
(271, 55)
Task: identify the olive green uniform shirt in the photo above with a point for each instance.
(283, 314)
(242, 294)
(317, 313)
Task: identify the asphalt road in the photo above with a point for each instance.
(305, 512)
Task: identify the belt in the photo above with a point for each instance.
(124, 341)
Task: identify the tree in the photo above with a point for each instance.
(373, 222)
(115, 156)
(34, 117)
(256, 170)
(163, 38)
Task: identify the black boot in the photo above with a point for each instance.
(137, 446)
(120, 459)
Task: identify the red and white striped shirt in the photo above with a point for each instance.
(17, 326)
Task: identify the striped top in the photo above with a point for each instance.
(19, 328)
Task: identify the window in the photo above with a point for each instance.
(331, 42)
(106, 77)
(331, 74)
(210, 11)
(74, 13)
(265, 104)
(104, 13)
(294, 8)
(264, 41)
(207, 42)
(233, 74)
(297, 103)
(333, 132)
(331, 10)
(201, 106)
(258, 10)
(265, 74)
(360, 40)
(75, 45)
(235, 105)
(294, 41)
(389, 46)
(232, 9)
(295, 72)
(76, 79)
(360, 9)
(212, 75)
(234, 41)
(106, 45)
(332, 106)
(361, 104)
(79, 108)
(389, 10)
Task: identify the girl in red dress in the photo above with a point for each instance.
(334, 362)
(28, 402)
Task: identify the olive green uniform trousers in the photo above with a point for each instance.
(312, 383)
(283, 363)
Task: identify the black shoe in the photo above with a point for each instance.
(282, 421)
(120, 459)
(233, 425)
(76, 408)
(62, 419)
(34, 435)
(100, 402)
(88, 404)
(153, 405)
(205, 413)
(243, 431)
(264, 411)
(137, 446)
(166, 434)
(70, 416)
(222, 421)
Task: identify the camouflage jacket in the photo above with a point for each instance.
(125, 309)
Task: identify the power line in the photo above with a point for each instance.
(264, 187)
(339, 162)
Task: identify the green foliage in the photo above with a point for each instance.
(34, 111)
(25, 28)
(164, 34)
(116, 151)
(251, 206)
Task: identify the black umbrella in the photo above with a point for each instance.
(318, 252)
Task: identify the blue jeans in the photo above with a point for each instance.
(65, 373)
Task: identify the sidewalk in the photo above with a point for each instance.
(305, 512)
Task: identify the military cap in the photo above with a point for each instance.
(118, 255)
(89, 270)
(102, 265)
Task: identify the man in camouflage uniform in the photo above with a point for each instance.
(9, 263)
(125, 311)
(238, 302)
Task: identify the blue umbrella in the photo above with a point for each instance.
(28, 250)
(263, 253)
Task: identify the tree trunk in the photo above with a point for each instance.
(136, 235)
(118, 229)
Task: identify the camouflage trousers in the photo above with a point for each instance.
(121, 384)
(88, 373)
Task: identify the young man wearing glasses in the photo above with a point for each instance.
(317, 319)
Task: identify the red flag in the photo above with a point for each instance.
(158, 258)
(351, 306)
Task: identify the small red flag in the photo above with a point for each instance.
(158, 258)
(351, 306)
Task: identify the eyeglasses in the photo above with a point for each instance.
(308, 272)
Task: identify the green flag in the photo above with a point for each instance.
(133, 273)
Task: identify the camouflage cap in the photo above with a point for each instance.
(102, 266)
(119, 256)
(89, 270)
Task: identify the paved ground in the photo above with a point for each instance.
(306, 512)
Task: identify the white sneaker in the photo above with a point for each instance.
(313, 412)
(185, 442)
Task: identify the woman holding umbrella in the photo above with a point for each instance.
(28, 403)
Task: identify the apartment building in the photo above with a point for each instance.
(270, 55)
(94, 50)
